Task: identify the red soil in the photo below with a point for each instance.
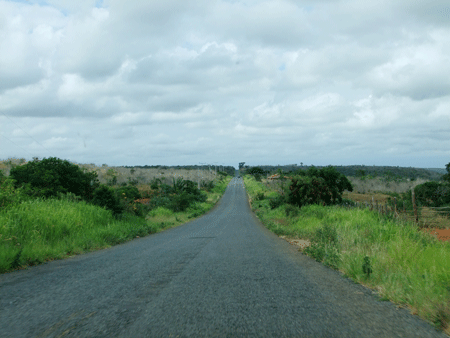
(441, 234)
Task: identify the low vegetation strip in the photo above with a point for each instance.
(35, 228)
(404, 265)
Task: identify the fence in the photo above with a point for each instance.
(424, 217)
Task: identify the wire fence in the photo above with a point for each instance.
(423, 216)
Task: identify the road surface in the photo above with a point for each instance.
(222, 275)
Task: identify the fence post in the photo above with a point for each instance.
(395, 207)
(416, 215)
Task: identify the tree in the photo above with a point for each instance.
(105, 197)
(255, 171)
(446, 177)
(432, 194)
(48, 177)
(324, 186)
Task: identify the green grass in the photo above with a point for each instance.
(37, 230)
(409, 267)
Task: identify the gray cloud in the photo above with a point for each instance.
(266, 82)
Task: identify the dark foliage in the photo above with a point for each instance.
(275, 202)
(255, 171)
(52, 176)
(105, 196)
(291, 211)
(317, 186)
(129, 193)
(432, 194)
(179, 196)
(182, 201)
(446, 177)
(386, 172)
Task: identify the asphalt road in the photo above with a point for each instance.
(222, 275)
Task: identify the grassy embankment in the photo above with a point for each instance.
(36, 230)
(405, 265)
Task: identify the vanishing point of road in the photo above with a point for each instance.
(221, 275)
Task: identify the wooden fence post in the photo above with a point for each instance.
(416, 214)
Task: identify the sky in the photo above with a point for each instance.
(151, 82)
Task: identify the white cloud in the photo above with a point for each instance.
(260, 81)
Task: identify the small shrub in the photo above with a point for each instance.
(260, 196)
(367, 267)
(159, 201)
(155, 183)
(181, 202)
(105, 197)
(207, 185)
(291, 211)
(130, 192)
(10, 196)
(276, 202)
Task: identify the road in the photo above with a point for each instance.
(222, 275)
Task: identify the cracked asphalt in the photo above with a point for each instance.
(221, 275)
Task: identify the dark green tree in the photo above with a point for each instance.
(446, 177)
(432, 194)
(324, 186)
(255, 171)
(105, 197)
(48, 177)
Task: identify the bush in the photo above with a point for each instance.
(130, 192)
(105, 197)
(432, 194)
(207, 185)
(10, 196)
(291, 211)
(260, 196)
(324, 186)
(277, 201)
(159, 201)
(51, 176)
(155, 182)
(181, 202)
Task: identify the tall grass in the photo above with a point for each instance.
(39, 230)
(407, 266)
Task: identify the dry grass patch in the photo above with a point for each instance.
(359, 197)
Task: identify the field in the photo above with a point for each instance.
(378, 184)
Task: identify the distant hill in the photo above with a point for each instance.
(433, 174)
(440, 171)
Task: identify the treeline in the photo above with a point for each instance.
(388, 173)
(227, 169)
(325, 186)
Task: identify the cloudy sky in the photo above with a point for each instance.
(173, 82)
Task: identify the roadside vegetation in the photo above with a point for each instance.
(391, 256)
(51, 209)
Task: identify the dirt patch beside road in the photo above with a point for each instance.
(300, 243)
